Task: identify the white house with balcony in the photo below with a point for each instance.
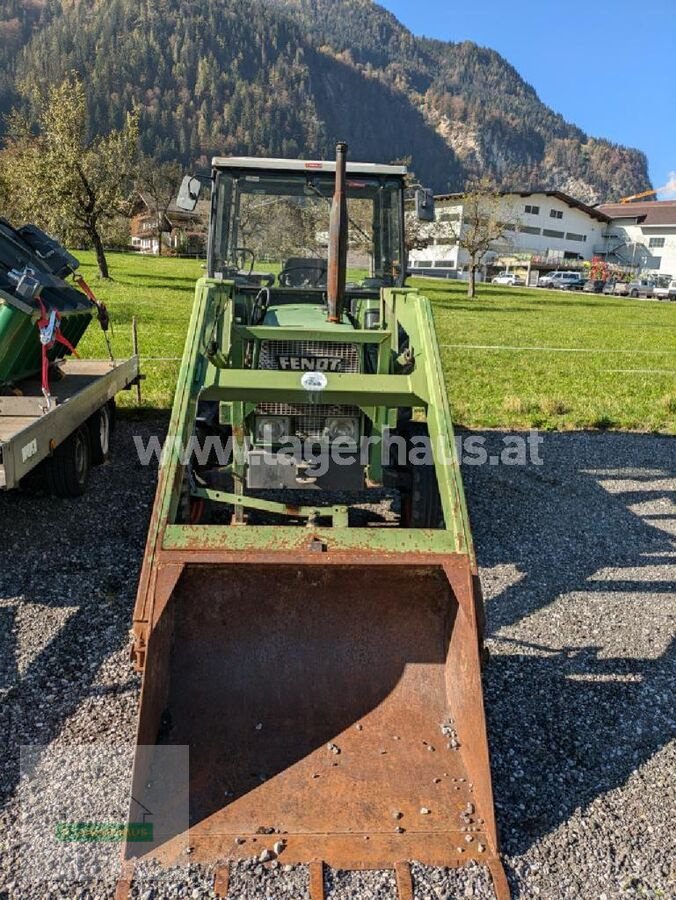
(542, 230)
(641, 235)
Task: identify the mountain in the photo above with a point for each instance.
(289, 77)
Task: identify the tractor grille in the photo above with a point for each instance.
(308, 419)
(272, 350)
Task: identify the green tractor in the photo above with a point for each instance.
(273, 599)
(307, 306)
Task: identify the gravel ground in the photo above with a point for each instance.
(374, 885)
(471, 880)
(251, 880)
(578, 565)
(579, 571)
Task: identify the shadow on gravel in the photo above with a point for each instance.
(68, 576)
(570, 714)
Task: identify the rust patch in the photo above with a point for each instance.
(402, 871)
(317, 891)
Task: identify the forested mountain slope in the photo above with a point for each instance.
(289, 77)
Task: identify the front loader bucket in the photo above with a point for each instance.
(335, 707)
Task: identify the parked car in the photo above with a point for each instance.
(594, 286)
(665, 289)
(547, 280)
(574, 284)
(507, 278)
(642, 287)
(621, 289)
(563, 281)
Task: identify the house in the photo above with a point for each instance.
(543, 230)
(180, 232)
(641, 235)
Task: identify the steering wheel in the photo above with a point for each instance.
(260, 306)
(290, 277)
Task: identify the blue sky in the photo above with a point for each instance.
(608, 66)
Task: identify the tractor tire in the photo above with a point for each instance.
(101, 426)
(420, 500)
(192, 510)
(69, 467)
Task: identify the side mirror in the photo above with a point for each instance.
(424, 205)
(189, 193)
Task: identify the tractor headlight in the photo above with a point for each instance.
(342, 427)
(272, 429)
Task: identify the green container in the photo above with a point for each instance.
(20, 349)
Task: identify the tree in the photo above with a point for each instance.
(159, 182)
(599, 269)
(5, 193)
(482, 223)
(67, 182)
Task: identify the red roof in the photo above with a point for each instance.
(654, 212)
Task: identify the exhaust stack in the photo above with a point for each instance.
(337, 265)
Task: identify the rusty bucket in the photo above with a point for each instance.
(338, 706)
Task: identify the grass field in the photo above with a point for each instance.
(513, 357)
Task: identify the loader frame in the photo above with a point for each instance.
(376, 395)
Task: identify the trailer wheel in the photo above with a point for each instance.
(420, 499)
(68, 470)
(101, 426)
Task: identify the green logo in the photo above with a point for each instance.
(104, 832)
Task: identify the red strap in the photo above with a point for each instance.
(82, 284)
(104, 318)
(43, 321)
(45, 371)
(58, 338)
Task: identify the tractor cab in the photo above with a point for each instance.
(271, 223)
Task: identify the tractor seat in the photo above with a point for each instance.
(302, 271)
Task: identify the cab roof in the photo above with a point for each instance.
(303, 165)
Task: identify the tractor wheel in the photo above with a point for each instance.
(68, 469)
(192, 510)
(101, 426)
(420, 499)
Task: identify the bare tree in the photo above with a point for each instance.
(159, 183)
(419, 235)
(484, 221)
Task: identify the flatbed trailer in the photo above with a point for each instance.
(69, 436)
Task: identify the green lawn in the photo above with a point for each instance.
(504, 353)
(159, 292)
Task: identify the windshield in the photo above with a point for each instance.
(279, 223)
